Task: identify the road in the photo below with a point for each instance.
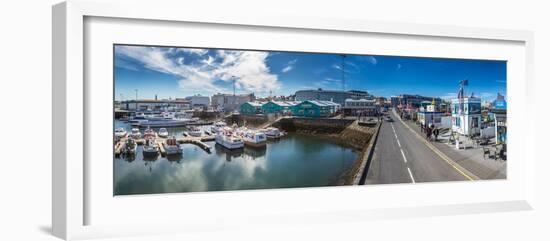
(401, 156)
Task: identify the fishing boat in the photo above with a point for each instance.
(150, 148)
(227, 139)
(136, 134)
(130, 146)
(120, 132)
(149, 133)
(172, 146)
(272, 133)
(194, 131)
(163, 132)
(254, 138)
(218, 126)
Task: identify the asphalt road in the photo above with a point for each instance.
(400, 156)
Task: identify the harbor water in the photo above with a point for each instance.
(295, 160)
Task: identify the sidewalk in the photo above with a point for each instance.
(470, 159)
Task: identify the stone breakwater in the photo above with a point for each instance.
(248, 120)
(347, 132)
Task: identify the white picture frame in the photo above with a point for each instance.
(72, 190)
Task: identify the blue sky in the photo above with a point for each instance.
(180, 72)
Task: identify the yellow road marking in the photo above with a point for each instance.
(438, 152)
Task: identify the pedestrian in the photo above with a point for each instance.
(428, 133)
(421, 127)
(436, 133)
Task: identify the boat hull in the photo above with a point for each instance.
(255, 144)
(228, 144)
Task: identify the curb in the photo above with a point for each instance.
(361, 175)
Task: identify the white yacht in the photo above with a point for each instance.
(218, 126)
(163, 132)
(136, 134)
(120, 132)
(272, 132)
(254, 138)
(225, 138)
(172, 147)
(194, 131)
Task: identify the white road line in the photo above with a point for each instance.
(403, 154)
(410, 174)
(399, 144)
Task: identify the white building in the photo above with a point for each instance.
(156, 105)
(229, 102)
(364, 107)
(466, 115)
(199, 101)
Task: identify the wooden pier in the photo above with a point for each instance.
(199, 141)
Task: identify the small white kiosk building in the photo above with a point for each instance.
(466, 115)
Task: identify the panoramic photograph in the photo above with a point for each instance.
(190, 119)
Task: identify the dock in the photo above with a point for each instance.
(198, 141)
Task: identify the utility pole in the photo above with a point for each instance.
(136, 90)
(343, 72)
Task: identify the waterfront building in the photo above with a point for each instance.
(466, 115)
(251, 108)
(361, 107)
(499, 112)
(230, 102)
(413, 101)
(156, 105)
(279, 107)
(199, 101)
(316, 108)
(336, 96)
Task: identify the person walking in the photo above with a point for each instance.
(428, 133)
(436, 133)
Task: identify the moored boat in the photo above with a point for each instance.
(254, 138)
(163, 132)
(227, 139)
(194, 131)
(217, 126)
(172, 147)
(272, 133)
(149, 133)
(120, 132)
(136, 134)
(130, 146)
(150, 148)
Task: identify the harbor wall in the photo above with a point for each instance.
(313, 125)
(248, 120)
(347, 131)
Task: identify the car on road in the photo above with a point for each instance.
(389, 119)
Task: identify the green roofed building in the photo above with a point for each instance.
(315, 108)
(251, 108)
(279, 107)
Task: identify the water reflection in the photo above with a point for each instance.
(294, 161)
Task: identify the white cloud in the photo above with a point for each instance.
(289, 66)
(193, 51)
(248, 68)
(371, 60)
